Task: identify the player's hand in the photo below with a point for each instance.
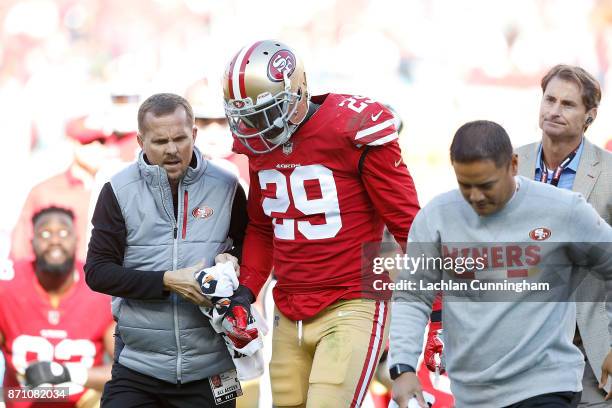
(225, 257)
(606, 369)
(237, 310)
(434, 346)
(51, 372)
(183, 282)
(405, 387)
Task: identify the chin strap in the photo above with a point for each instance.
(291, 128)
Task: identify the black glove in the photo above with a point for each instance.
(46, 372)
(237, 311)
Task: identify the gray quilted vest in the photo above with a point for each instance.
(171, 339)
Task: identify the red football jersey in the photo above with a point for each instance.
(312, 206)
(35, 330)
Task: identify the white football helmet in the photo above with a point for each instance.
(266, 96)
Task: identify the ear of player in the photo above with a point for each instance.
(51, 372)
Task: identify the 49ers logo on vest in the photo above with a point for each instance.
(282, 61)
(540, 234)
(202, 212)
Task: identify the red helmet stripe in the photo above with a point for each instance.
(243, 63)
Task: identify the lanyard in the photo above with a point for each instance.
(557, 174)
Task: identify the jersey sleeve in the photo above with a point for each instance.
(391, 189)
(238, 221)
(375, 125)
(258, 241)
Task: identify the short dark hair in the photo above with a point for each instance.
(589, 86)
(481, 140)
(162, 104)
(51, 209)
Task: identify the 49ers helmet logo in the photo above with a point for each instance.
(202, 212)
(540, 234)
(282, 61)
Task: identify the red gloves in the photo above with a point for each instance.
(237, 319)
(434, 347)
(236, 329)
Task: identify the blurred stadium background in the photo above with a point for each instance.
(438, 63)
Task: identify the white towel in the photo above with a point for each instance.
(218, 281)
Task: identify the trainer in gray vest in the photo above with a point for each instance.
(156, 223)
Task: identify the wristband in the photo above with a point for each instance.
(398, 369)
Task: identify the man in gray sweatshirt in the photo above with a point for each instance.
(517, 250)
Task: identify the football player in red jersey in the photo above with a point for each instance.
(53, 328)
(326, 175)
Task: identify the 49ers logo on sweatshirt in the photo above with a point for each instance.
(202, 212)
(540, 234)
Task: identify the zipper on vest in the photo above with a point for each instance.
(169, 213)
(179, 354)
(185, 207)
(176, 300)
(174, 296)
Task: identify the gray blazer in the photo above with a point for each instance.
(594, 182)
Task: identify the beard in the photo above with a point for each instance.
(61, 269)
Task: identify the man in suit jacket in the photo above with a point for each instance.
(565, 158)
